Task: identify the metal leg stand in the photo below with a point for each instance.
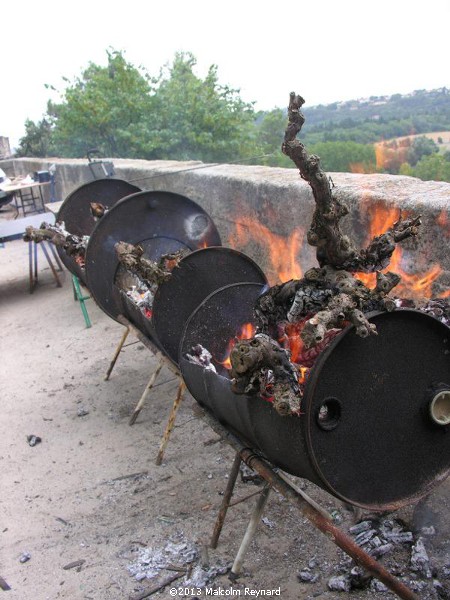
(250, 533)
(226, 500)
(150, 384)
(116, 355)
(170, 422)
(79, 296)
(333, 533)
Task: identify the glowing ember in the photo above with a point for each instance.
(246, 333)
(290, 339)
(303, 372)
(283, 252)
(79, 259)
(415, 286)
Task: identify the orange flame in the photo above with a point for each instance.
(444, 222)
(246, 333)
(415, 286)
(303, 371)
(292, 340)
(283, 252)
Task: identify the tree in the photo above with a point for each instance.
(433, 167)
(124, 112)
(37, 140)
(345, 156)
(269, 135)
(421, 146)
(106, 108)
(198, 119)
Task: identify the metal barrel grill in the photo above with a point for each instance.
(76, 213)
(369, 433)
(375, 424)
(160, 222)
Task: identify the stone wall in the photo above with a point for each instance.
(254, 205)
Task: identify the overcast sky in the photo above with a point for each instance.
(326, 50)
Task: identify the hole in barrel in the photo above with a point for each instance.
(329, 414)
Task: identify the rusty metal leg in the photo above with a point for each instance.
(146, 392)
(250, 532)
(333, 533)
(116, 354)
(226, 500)
(170, 422)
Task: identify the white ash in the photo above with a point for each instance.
(339, 584)
(202, 357)
(142, 296)
(419, 559)
(377, 586)
(151, 560)
(270, 524)
(360, 527)
(200, 576)
(307, 576)
(176, 554)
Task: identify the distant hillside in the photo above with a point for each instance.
(376, 118)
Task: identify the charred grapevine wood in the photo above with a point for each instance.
(150, 272)
(328, 297)
(331, 295)
(333, 247)
(260, 365)
(98, 210)
(57, 234)
(320, 290)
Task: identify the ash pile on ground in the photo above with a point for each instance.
(402, 551)
(179, 556)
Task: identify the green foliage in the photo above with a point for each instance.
(198, 119)
(433, 167)
(270, 128)
(379, 118)
(345, 156)
(122, 111)
(37, 140)
(420, 147)
(105, 108)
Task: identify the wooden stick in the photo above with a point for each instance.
(140, 404)
(170, 422)
(226, 500)
(250, 532)
(116, 354)
(158, 586)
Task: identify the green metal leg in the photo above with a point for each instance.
(77, 294)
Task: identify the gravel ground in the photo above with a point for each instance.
(89, 493)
